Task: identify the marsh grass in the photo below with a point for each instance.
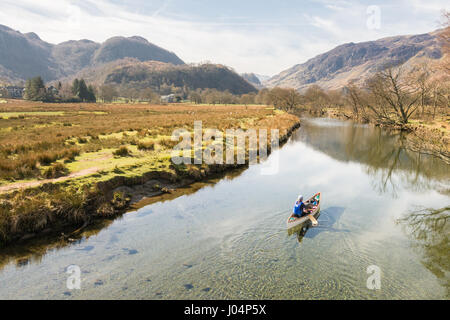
(55, 171)
(122, 152)
(101, 136)
(146, 145)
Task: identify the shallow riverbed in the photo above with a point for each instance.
(228, 239)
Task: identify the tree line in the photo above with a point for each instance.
(79, 91)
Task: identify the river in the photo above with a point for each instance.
(227, 239)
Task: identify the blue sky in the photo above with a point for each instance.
(264, 37)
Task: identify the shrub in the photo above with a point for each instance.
(47, 158)
(72, 153)
(122, 152)
(168, 143)
(142, 133)
(146, 145)
(55, 171)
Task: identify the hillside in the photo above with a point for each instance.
(156, 74)
(24, 56)
(252, 79)
(358, 61)
(134, 47)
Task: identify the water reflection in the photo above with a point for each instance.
(382, 152)
(430, 230)
(328, 219)
(33, 250)
(189, 189)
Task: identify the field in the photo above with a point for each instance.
(53, 156)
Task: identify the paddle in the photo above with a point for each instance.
(313, 220)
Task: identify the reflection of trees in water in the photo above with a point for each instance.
(34, 250)
(382, 152)
(430, 229)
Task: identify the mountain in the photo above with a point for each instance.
(155, 75)
(72, 56)
(24, 56)
(133, 62)
(252, 79)
(358, 61)
(262, 77)
(134, 47)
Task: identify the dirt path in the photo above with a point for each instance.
(31, 184)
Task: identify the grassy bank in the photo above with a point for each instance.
(62, 165)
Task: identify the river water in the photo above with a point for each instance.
(227, 239)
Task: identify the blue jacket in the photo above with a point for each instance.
(298, 208)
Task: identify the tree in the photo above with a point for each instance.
(108, 93)
(422, 77)
(91, 94)
(66, 92)
(75, 87)
(444, 37)
(394, 97)
(35, 90)
(195, 96)
(316, 97)
(439, 95)
(263, 97)
(285, 99)
(248, 98)
(358, 100)
(82, 91)
(149, 95)
(4, 93)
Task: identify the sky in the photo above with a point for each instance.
(264, 37)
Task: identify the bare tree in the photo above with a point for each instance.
(316, 97)
(422, 78)
(285, 99)
(358, 100)
(108, 93)
(444, 37)
(394, 98)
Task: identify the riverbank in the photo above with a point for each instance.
(123, 155)
(430, 136)
(226, 238)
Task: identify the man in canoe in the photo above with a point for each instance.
(299, 208)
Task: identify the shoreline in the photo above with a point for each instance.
(108, 199)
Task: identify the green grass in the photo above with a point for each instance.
(7, 115)
(93, 112)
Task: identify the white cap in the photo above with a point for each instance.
(300, 198)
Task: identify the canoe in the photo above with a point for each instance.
(314, 212)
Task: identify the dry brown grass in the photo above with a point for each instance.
(39, 134)
(47, 141)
